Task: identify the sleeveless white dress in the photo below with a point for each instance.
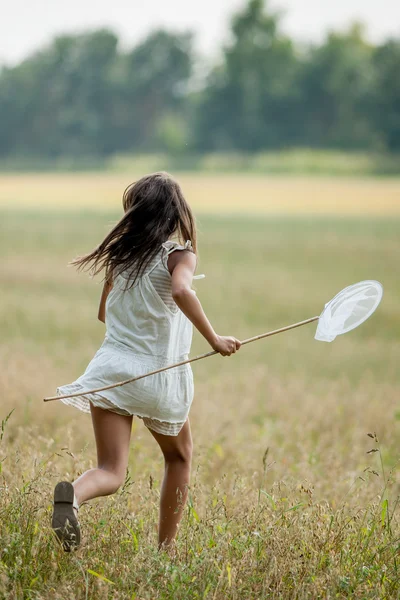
(145, 330)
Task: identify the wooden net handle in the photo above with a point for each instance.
(180, 364)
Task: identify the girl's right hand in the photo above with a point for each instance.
(226, 345)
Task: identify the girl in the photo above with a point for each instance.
(148, 308)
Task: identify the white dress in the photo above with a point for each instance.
(145, 330)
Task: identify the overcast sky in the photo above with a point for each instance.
(26, 25)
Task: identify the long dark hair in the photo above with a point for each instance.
(155, 210)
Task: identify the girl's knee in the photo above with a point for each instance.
(179, 454)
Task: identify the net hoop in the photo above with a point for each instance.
(345, 296)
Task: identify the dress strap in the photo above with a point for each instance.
(171, 247)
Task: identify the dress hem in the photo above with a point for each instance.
(82, 403)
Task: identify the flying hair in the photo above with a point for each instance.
(155, 210)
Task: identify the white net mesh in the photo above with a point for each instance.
(346, 311)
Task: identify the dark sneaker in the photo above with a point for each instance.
(65, 523)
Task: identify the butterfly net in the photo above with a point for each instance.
(346, 311)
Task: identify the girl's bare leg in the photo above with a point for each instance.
(113, 434)
(177, 453)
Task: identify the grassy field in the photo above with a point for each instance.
(287, 500)
(289, 162)
(210, 193)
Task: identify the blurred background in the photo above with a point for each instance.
(281, 121)
(282, 86)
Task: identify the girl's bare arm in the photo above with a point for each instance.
(102, 308)
(182, 266)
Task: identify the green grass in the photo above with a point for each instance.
(295, 161)
(314, 517)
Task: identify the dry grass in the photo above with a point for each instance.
(211, 193)
(314, 517)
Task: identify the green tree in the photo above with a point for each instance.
(60, 97)
(251, 100)
(386, 109)
(337, 85)
(153, 83)
(80, 96)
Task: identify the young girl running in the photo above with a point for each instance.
(148, 308)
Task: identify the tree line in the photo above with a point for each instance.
(83, 96)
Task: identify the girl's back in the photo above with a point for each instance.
(144, 317)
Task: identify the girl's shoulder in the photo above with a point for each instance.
(170, 261)
(168, 248)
